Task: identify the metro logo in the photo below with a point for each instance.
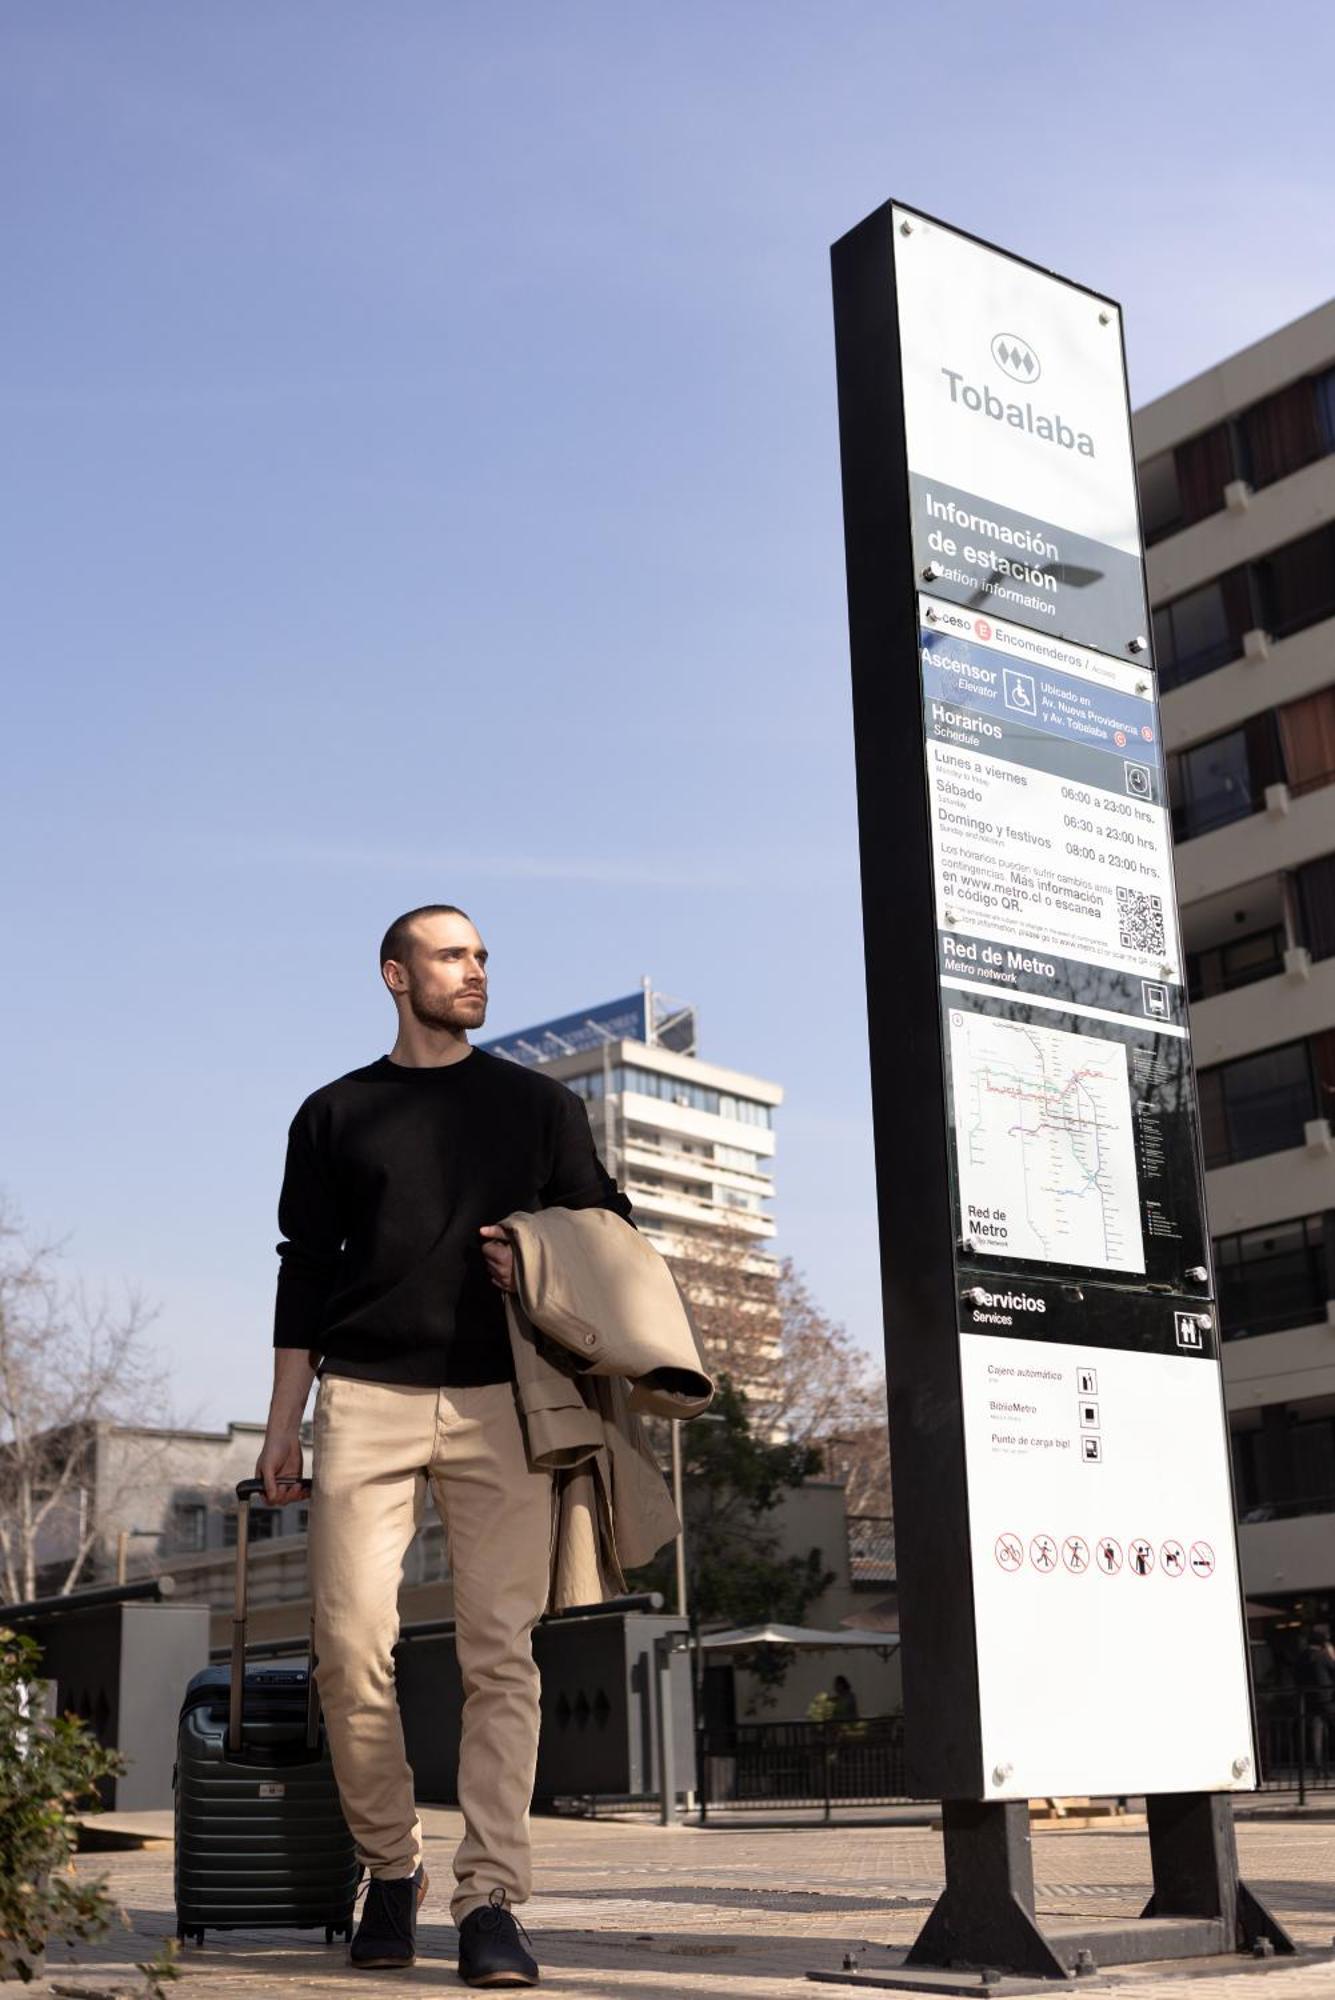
(1015, 357)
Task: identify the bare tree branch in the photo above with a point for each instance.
(68, 1362)
(805, 1378)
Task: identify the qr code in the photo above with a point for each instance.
(1140, 921)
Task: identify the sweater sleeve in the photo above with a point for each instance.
(578, 1178)
(312, 1240)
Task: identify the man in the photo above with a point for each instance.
(390, 1287)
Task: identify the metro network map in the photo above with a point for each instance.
(1046, 1153)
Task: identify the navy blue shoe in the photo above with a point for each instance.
(492, 1947)
(387, 1933)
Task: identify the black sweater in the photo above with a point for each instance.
(391, 1172)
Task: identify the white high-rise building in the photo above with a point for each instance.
(691, 1143)
(1237, 473)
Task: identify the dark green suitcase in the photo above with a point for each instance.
(260, 1836)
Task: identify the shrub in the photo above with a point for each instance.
(48, 1771)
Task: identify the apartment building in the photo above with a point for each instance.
(692, 1144)
(1237, 472)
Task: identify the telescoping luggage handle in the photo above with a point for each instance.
(248, 1490)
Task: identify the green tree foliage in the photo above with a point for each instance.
(736, 1569)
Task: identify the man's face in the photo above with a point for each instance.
(445, 977)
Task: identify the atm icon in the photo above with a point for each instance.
(1155, 997)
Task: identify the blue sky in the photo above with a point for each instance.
(422, 482)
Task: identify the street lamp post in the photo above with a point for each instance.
(679, 1503)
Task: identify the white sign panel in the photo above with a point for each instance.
(1019, 442)
(1110, 1652)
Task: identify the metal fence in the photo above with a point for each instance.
(1296, 1740)
(820, 1764)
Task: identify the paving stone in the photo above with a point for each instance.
(661, 1913)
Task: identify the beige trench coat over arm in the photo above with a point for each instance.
(599, 1333)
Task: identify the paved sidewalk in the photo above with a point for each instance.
(661, 1913)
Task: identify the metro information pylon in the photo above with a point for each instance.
(1064, 1514)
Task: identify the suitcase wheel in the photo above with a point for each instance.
(329, 1933)
(184, 1934)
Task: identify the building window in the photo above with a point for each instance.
(263, 1525)
(1203, 629)
(1224, 779)
(1246, 1483)
(1324, 391)
(1316, 904)
(1280, 434)
(732, 1198)
(1284, 592)
(1258, 1104)
(1205, 465)
(1272, 1278)
(1160, 497)
(592, 1085)
(1263, 443)
(189, 1525)
(1285, 1468)
(695, 1096)
(1307, 733)
(1312, 1465)
(1297, 583)
(1240, 962)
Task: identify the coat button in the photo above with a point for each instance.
(590, 1340)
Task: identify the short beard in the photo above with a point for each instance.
(454, 1015)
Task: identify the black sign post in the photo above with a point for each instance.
(1066, 1550)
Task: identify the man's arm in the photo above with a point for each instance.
(578, 1180)
(312, 1239)
(280, 1454)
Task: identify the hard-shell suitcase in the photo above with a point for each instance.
(260, 1836)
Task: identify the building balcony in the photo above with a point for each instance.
(1294, 1002)
(1277, 514)
(670, 1206)
(1271, 1187)
(1293, 1365)
(1281, 670)
(638, 1152)
(1287, 832)
(664, 1116)
(1291, 1552)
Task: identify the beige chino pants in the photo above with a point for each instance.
(377, 1446)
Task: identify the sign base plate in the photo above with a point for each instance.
(985, 1923)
